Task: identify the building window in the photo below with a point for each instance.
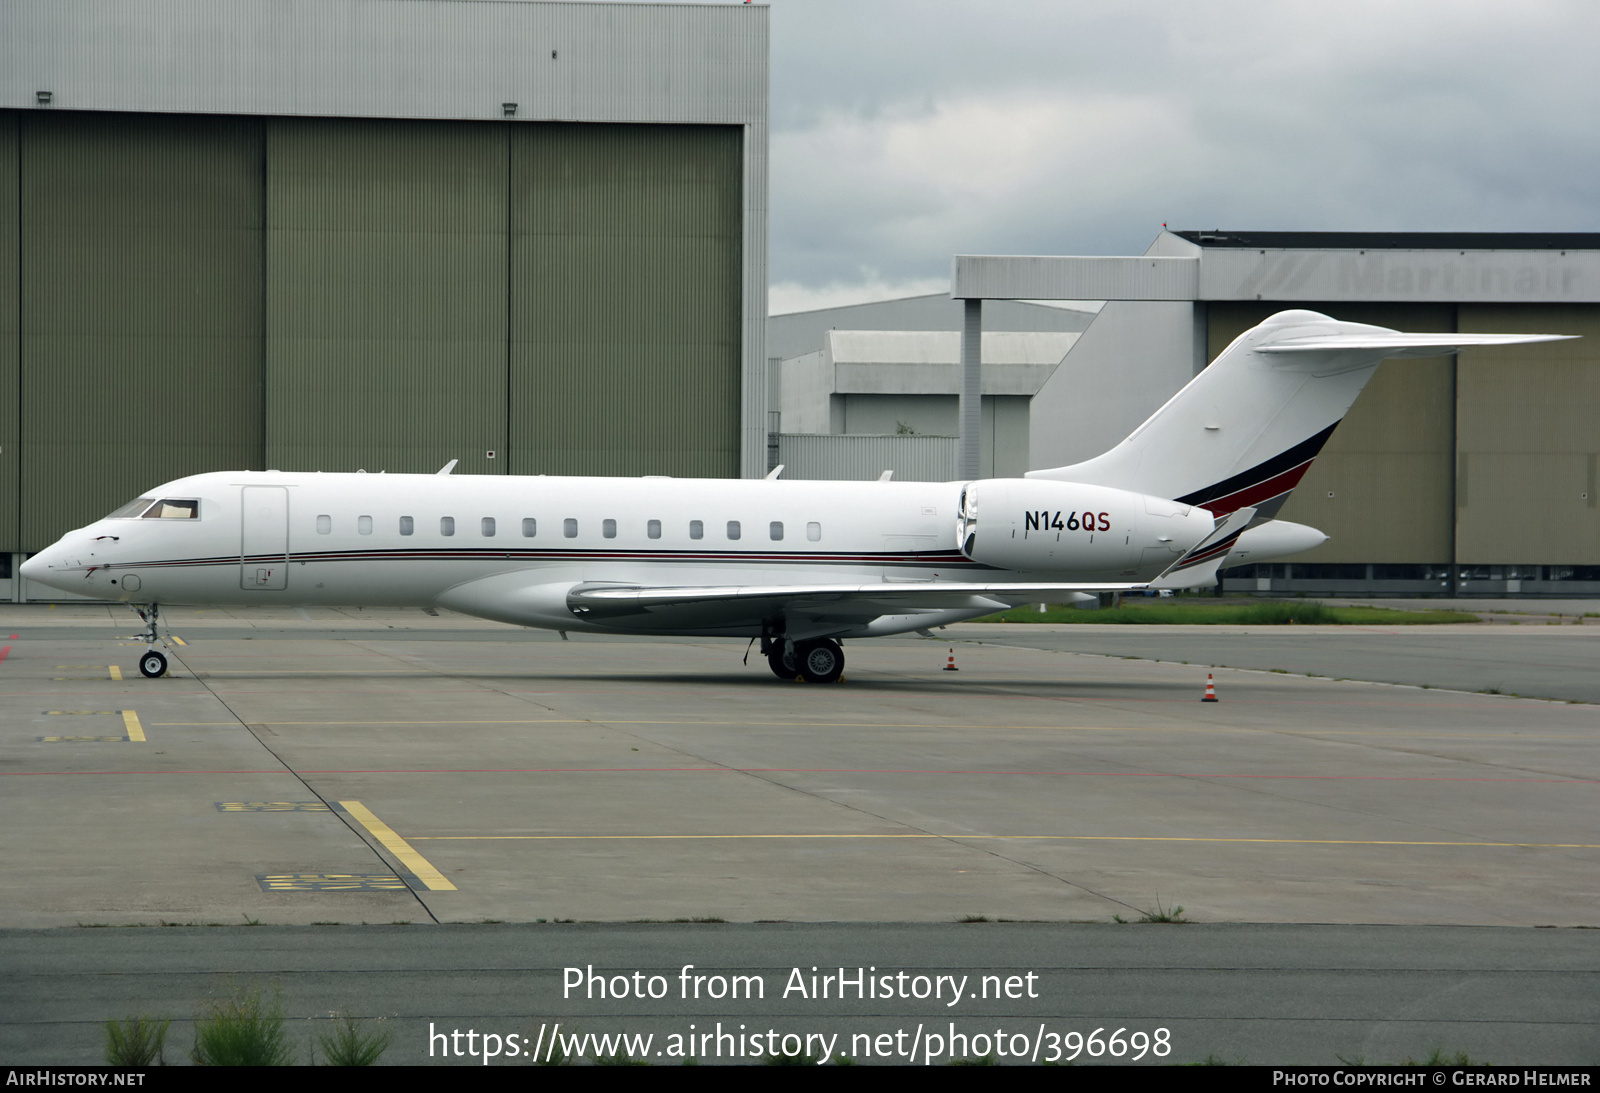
(530, 527)
(608, 528)
(488, 527)
(653, 529)
(324, 525)
(814, 532)
(697, 530)
(407, 525)
(569, 528)
(775, 529)
(364, 525)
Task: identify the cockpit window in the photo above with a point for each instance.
(133, 509)
(170, 509)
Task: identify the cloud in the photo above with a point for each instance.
(905, 133)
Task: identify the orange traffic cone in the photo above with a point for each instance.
(951, 666)
(1211, 690)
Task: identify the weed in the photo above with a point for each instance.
(1437, 1057)
(973, 918)
(981, 1060)
(1214, 1060)
(242, 1031)
(348, 1045)
(619, 1059)
(1489, 691)
(138, 1041)
(1163, 914)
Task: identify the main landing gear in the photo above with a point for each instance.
(153, 664)
(819, 661)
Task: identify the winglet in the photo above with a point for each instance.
(448, 467)
(1200, 565)
(774, 472)
(885, 476)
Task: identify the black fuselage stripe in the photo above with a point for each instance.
(556, 555)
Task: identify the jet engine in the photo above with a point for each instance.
(1043, 526)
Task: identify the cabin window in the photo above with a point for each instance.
(733, 529)
(407, 525)
(488, 527)
(653, 529)
(697, 530)
(608, 528)
(569, 528)
(447, 525)
(775, 529)
(814, 531)
(324, 525)
(170, 509)
(530, 527)
(364, 525)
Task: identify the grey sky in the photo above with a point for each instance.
(904, 132)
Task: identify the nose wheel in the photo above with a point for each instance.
(153, 663)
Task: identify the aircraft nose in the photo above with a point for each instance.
(35, 567)
(44, 566)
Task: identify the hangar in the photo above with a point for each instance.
(375, 235)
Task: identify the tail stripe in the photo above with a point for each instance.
(1265, 480)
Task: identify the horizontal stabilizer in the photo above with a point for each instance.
(1396, 344)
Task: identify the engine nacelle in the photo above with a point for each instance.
(1042, 526)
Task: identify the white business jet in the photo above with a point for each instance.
(798, 566)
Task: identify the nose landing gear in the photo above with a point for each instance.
(153, 664)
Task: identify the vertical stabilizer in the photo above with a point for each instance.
(1244, 431)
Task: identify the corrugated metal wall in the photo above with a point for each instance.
(140, 308)
(10, 328)
(832, 458)
(625, 314)
(198, 293)
(386, 295)
(1529, 440)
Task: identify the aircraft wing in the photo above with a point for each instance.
(866, 599)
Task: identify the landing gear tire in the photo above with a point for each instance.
(820, 661)
(153, 665)
(782, 662)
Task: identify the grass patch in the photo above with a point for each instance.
(242, 1031)
(351, 1044)
(138, 1041)
(1438, 1057)
(1210, 611)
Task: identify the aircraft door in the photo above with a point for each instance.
(264, 538)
